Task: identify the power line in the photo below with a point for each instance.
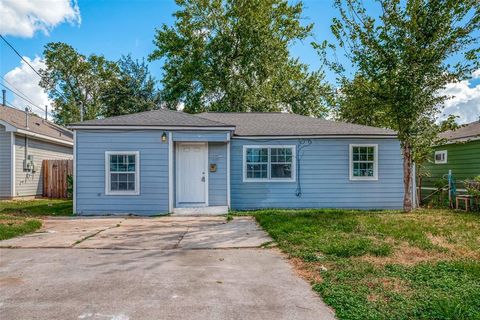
(23, 98)
(21, 57)
(28, 63)
(18, 93)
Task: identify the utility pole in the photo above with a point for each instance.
(46, 112)
(4, 97)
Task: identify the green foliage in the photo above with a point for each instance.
(473, 186)
(338, 245)
(92, 87)
(234, 56)
(75, 82)
(69, 186)
(11, 226)
(43, 207)
(403, 58)
(133, 90)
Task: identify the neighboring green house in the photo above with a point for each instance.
(460, 154)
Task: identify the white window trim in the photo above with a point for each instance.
(375, 162)
(136, 192)
(269, 179)
(445, 160)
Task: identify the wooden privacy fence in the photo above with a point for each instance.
(55, 182)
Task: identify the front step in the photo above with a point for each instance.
(201, 211)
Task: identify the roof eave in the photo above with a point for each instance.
(318, 136)
(150, 127)
(11, 128)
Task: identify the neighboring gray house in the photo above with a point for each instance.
(25, 141)
(164, 161)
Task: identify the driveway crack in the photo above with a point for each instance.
(181, 238)
(94, 234)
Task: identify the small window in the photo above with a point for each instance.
(363, 162)
(122, 173)
(269, 163)
(441, 157)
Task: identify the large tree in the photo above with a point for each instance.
(402, 58)
(233, 55)
(133, 90)
(75, 82)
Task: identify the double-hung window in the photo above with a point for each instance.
(363, 162)
(268, 163)
(122, 173)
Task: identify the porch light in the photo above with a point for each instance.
(164, 137)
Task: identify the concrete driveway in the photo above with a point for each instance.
(152, 268)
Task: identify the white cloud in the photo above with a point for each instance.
(465, 100)
(24, 81)
(25, 17)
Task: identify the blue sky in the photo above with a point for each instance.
(113, 28)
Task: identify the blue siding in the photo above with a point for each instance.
(324, 178)
(201, 136)
(90, 175)
(217, 181)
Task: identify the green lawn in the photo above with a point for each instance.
(37, 207)
(385, 265)
(13, 226)
(17, 216)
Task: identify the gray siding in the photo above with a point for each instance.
(324, 178)
(217, 181)
(5, 163)
(90, 175)
(31, 184)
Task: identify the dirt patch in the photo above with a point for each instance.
(12, 222)
(309, 271)
(405, 254)
(10, 281)
(455, 250)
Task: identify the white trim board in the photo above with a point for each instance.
(126, 127)
(74, 172)
(228, 173)
(170, 172)
(314, 137)
(12, 164)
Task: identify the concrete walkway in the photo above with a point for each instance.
(152, 268)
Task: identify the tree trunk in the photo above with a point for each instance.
(407, 177)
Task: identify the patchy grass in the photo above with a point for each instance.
(13, 226)
(37, 207)
(385, 264)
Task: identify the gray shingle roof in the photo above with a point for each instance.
(246, 124)
(466, 132)
(286, 124)
(16, 118)
(160, 117)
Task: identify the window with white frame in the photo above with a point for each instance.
(122, 172)
(363, 162)
(441, 157)
(269, 163)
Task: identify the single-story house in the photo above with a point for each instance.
(25, 141)
(164, 161)
(459, 155)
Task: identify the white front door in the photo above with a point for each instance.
(191, 173)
